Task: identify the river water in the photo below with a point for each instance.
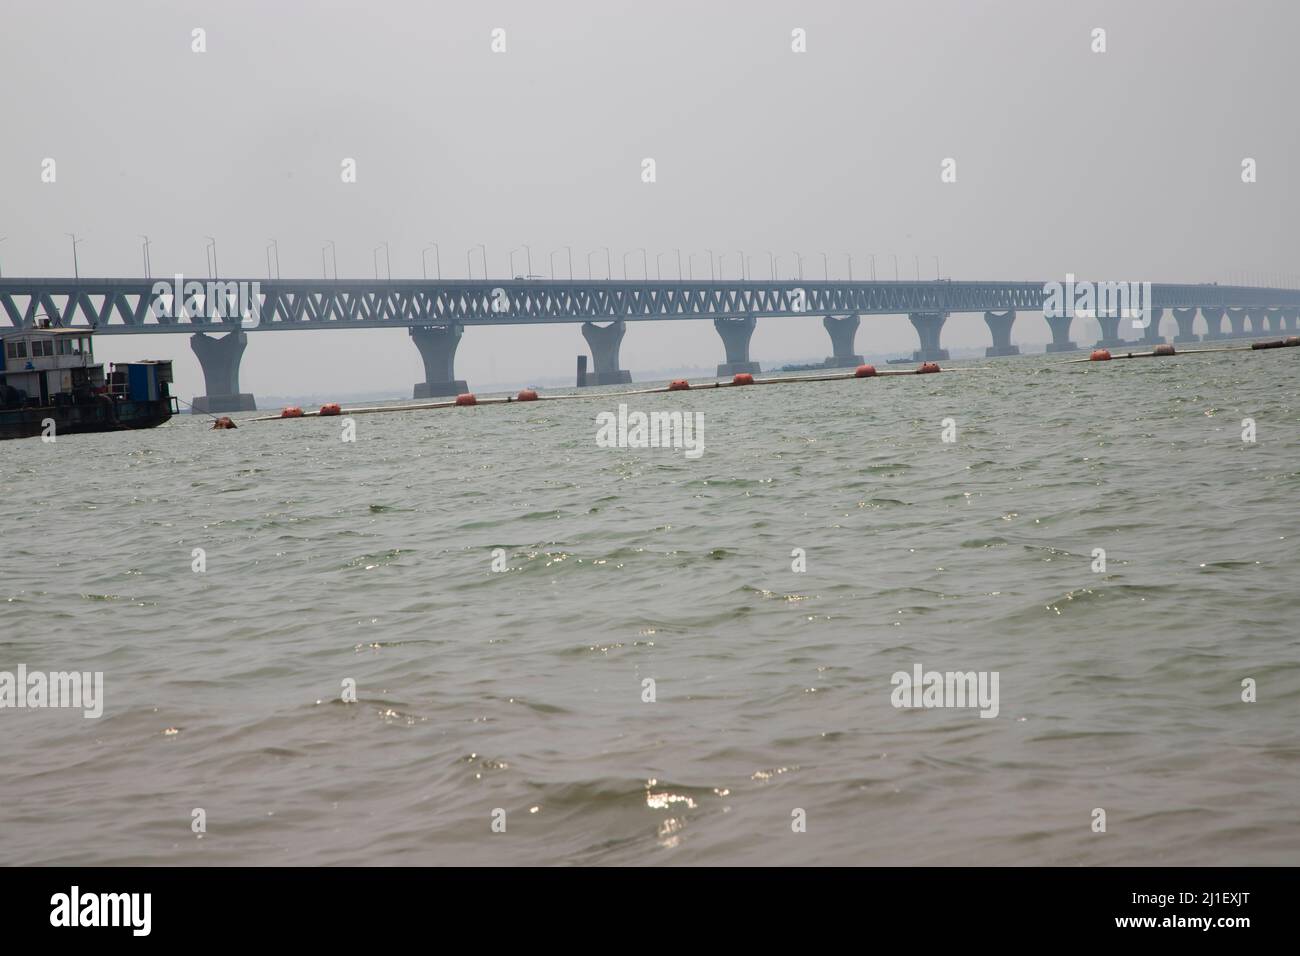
(519, 696)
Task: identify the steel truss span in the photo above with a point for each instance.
(123, 306)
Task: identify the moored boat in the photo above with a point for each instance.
(51, 385)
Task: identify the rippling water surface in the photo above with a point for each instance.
(522, 690)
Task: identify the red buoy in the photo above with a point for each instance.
(526, 395)
(743, 378)
(928, 367)
(678, 385)
(331, 408)
(466, 398)
(1165, 349)
(1099, 355)
(865, 371)
(293, 411)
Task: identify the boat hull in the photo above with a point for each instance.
(82, 418)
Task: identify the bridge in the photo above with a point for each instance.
(437, 312)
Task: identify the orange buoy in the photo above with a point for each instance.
(928, 367)
(331, 408)
(865, 371)
(1099, 355)
(223, 422)
(743, 378)
(1291, 340)
(1165, 349)
(526, 395)
(293, 411)
(678, 385)
(466, 398)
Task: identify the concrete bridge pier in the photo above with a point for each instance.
(1255, 321)
(1151, 334)
(736, 334)
(219, 359)
(1213, 323)
(1237, 319)
(1186, 319)
(928, 325)
(1109, 332)
(999, 324)
(1273, 320)
(437, 345)
(604, 340)
(1289, 320)
(842, 332)
(1060, 326)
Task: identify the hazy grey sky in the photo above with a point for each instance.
(1119, 165)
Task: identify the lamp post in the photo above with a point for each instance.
(895, 255)
(212, 266)
(712, 276)
(589, 255)
(609, 266)
(144, 250)
(437, 259)
(679, 264)
(826, 268)
(872, 257)
(798, 258)
(570, 251)
(936, 268)
(469, 266)
(849, 257)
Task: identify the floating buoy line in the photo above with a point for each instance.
(740, 380)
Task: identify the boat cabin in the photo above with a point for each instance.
(45, 366)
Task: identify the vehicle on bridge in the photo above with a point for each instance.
(50, 384)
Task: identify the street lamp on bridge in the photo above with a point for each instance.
(437, 259)
(274, 244)
(645, 266)
(798, 258)
(144, 251)
(712, 276)
(76, 272)
(469, 267)
(329, 243)
(212, 249)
